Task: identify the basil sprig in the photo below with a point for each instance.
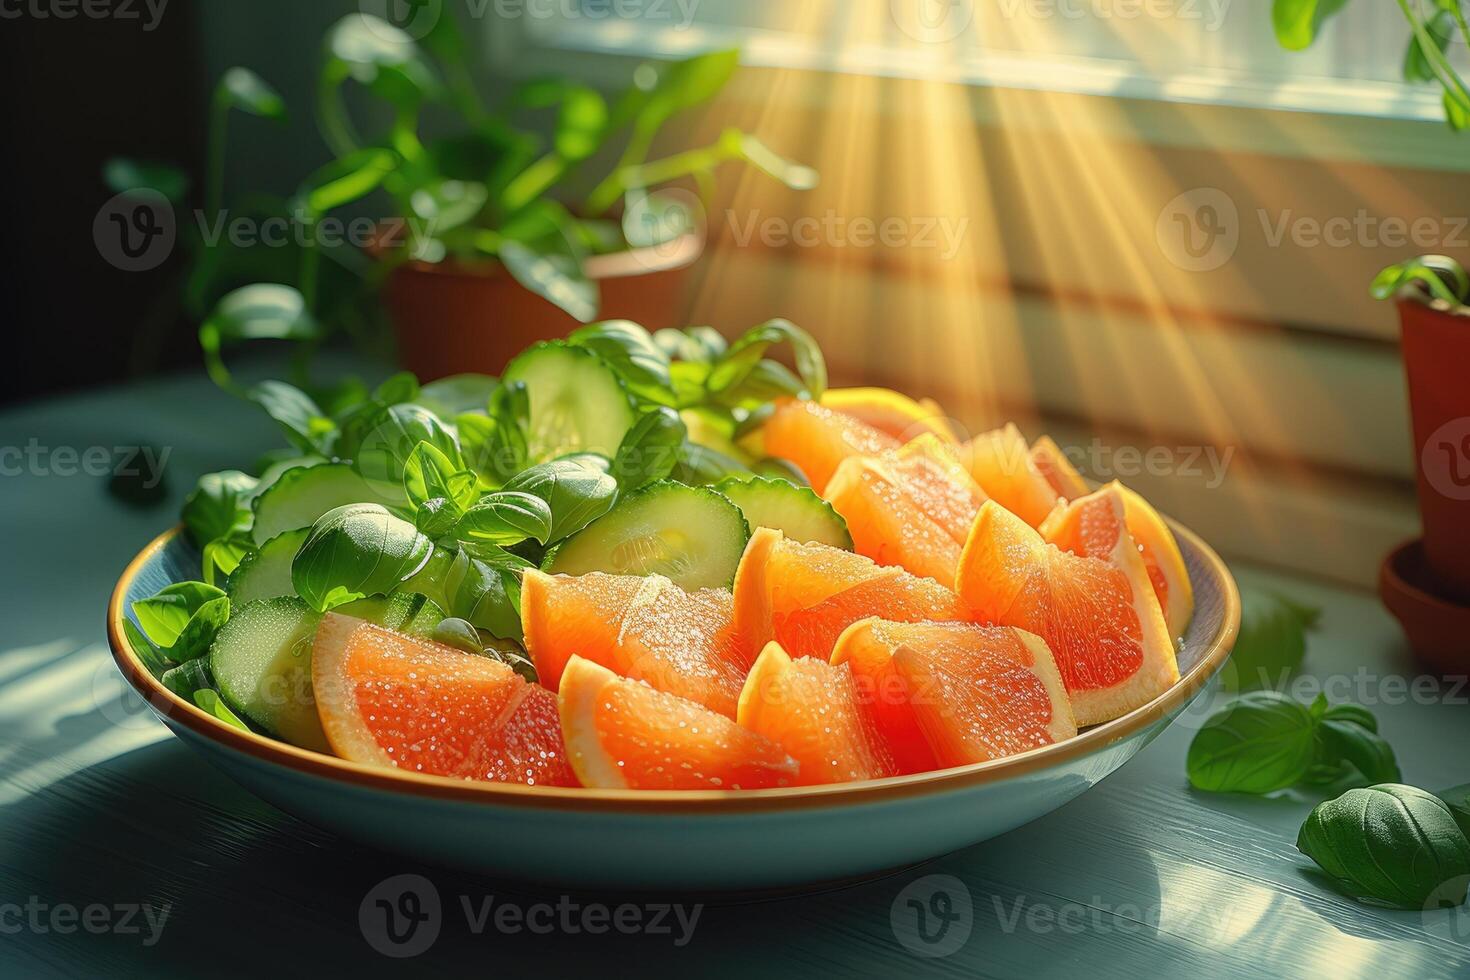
(1264, 741)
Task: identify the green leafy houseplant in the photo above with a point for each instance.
(497, 186)
(1433, 25)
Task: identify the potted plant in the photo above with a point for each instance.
(1426, 582)
(500, 231)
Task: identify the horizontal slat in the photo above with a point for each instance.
(1280, 394)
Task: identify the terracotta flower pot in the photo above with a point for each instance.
(1426, 583)
(452, 317)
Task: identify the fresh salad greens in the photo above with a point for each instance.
(418, 506)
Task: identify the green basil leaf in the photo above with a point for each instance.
(486, 594)
(165, 614)
(223, 555)
(766, 382)
(1390, 844)
(1457, 798)
(346, 179)
(305, 424)
(1416, 66)
(505, 518)
(1259, 743)
(121, 174)
(651, 448)
(1348, 741)
(397, 388)
(355, 551)
(1271, 644)
(508, 446)
(145, 651)
(577, 493)
(701, 466)
(240, 88)
(552, 270)
(391, 435)
(457, 395)
(1297, 22)
(189, 677)
(429, 473)
(209, 700)
(741, 358)
(218, 505)
(436, 517)
(630, 351)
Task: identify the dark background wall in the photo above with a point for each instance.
(77, 90)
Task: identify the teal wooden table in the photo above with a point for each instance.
(123, 854)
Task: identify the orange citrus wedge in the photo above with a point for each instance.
(818, 714)
(891, 411)
(1054, 466)
(1099, 616)
(817, 439)
(1002, 464)
(643, 627)
(393, 700)
(1070, 528)
(804, 595)
(623, 734)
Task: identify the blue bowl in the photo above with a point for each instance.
(700, 839)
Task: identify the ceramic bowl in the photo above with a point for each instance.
(710, 840)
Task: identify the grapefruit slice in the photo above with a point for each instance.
(818, 714)
(1004, 467)
(818, 439)
(982, 692)
(948, 694)
(912, 508)
(389, 699)
(804, 595)
(643, 627)
(891, 411)
(1099, 616)
(1083, 527)
(623, 734)
(1057, 469)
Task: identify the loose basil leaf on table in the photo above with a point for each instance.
(1457, 798)
(1271, 643)
(1259, 743)
(1390, 844)
(354, 551)
(1349, 747)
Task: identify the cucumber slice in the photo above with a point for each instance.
(693, 535)
(303, 494)
(795, 511)
(261, 658)
(578, 403)
(266, 573)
